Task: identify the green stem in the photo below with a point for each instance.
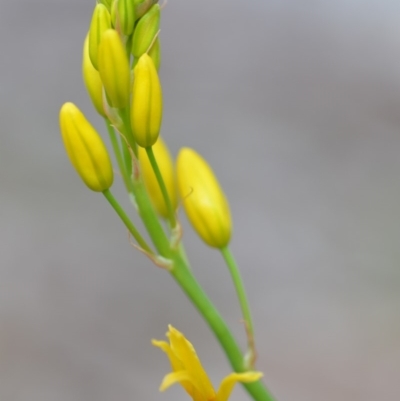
(149, 217)
(128, 223)
(128, 163)
(241, 294)
(118, 155)
(194, 291)
(126, 118)
(161, 183)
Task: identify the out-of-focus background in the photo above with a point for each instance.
(296, 105)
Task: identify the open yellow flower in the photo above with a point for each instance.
(187, 370)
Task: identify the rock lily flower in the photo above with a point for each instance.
(187, 370)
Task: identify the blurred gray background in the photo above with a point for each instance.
(296, 105)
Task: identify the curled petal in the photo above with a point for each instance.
(229, 382)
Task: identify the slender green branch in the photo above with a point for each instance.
(128, 162)
(149, 217)
(119, 156)
(126, 118)
(194, 291)
(241, 294)
(128, 223)
(163, 188)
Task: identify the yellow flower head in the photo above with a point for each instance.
(187, 370)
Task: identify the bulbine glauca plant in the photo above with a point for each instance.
(121, 59)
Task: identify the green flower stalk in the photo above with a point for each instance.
(101, 21)
(85, 149)
(114, 69)
(146, 108)
(146, 30)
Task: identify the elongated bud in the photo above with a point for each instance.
(145, 31)
(204, 201)
(85, 149)
(142, 6)
(92, 80)
(107, 3)
(146, 109)
(113, 14)
(114, 68)
(155, 53)
(166, 166)
(101, 21)
(125, 16)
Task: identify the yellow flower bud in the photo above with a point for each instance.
(92, 80)
(101, 21)
(204, 201)
(114, 68)
(145, 31)
(125, 16)
(85, 149)
(146, 109)
(155, 53)
(166, 166)
(142, 6)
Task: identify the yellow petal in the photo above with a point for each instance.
(229, 382)
(186, 353)
(181, 377)
(176, 365)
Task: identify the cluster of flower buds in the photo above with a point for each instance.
(121, 58)
(120, 63)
